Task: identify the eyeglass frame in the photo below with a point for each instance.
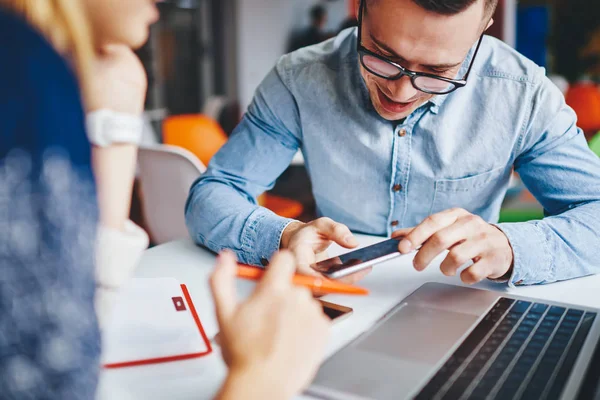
(362, 51)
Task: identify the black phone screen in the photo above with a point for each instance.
(357, 257)
(332, 313)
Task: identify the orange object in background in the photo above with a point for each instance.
(204, 137)
(197, 133)
(584, 98)
(281, 206)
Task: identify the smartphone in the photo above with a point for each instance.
(335, 312)
(346, 264)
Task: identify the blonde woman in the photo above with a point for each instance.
(96, 38)
(49, 341)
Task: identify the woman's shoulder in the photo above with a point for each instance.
(48, 212)
(40, 102)
(21, 42)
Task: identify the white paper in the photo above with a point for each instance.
(146, 324)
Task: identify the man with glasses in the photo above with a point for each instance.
(411, 125)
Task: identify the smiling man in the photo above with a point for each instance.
(411, 124)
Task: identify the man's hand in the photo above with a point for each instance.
(273, 343)
(309, 243)
(467, 237)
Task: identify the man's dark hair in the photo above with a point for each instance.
(317, 13)
(451, 7)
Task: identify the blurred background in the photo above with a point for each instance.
(205, 58)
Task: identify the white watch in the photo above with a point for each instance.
(106, 127)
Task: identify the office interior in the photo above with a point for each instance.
(204, 61)
(206, 58)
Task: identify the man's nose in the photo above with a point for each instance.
(402, 90)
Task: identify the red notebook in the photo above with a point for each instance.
(153, 321)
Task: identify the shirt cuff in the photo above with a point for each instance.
(261, 236)
(118, 253)
(532, 257)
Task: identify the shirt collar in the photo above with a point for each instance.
(437, 101)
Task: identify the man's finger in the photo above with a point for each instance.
(355, 277)
(222, 285)
(305, 258)
(461, 254)
(305, 269)
(337, 232)
(476, 272)
(279, 273)
(443, 240)
(428, 227)
(401, 232)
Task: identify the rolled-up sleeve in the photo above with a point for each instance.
(561, 171)
(222, 211)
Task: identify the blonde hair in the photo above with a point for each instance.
(65, 25)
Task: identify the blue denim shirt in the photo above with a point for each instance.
(457, 150)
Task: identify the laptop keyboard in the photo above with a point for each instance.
(520, 350)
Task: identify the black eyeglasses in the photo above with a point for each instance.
(386, 69)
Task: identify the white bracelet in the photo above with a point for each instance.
(106, 127)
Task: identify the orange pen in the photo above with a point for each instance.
(314, 283)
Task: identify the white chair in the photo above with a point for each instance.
(166, 174)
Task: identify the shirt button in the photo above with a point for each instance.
(264, 262)
(397, 188)
(402, 132)
(395, 223)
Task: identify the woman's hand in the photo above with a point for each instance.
(273, 343)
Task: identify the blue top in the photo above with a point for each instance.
(456, 150)
(49, 338)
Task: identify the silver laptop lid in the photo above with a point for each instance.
(400, 354)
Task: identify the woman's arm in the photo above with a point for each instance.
(119, 85)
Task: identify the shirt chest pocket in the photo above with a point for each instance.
(480, 194)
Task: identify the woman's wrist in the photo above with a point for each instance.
(252, 384)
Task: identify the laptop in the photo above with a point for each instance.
(449, 342)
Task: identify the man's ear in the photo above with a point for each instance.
(489, 24)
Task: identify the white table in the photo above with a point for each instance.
(389, 283)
